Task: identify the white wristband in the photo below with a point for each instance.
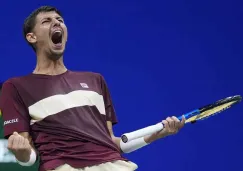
(31, 161)
(132, 145)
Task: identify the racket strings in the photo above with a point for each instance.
(210, 112)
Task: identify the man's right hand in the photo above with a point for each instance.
(20, 147)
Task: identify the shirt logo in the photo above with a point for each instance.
(84, 85)
(11, 121)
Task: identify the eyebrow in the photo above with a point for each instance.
(59, 17)
(45, 18)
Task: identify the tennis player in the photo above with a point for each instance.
(64, 117)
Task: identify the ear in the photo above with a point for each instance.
(31, 38)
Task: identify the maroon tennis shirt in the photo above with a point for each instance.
(66, 116)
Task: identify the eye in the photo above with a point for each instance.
(60, 20)
(45, 21)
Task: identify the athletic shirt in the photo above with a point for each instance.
(66, 115)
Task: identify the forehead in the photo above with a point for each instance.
(42, 15)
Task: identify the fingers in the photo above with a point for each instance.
(21, 142)
(166, 124)
(182, 122)
(177, 122)
(15, 133)
(26, 143)
(10, 142)
(183, 119)
(17, 142)
(173, 124)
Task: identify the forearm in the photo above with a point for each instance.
(151, 138)
(117, 140)
(131, 145)
(134, 144)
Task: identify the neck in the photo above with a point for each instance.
(49, 67)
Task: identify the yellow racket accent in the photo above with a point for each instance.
(210, 112)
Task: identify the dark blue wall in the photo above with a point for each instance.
(160, 58)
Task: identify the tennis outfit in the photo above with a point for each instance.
(118, 165)
(66, 117)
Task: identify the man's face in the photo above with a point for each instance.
(51, 34)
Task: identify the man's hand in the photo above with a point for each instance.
(171, 126)
(20, 147)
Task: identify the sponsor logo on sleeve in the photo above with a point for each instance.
(11, 121)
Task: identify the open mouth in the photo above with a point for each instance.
(56, 37)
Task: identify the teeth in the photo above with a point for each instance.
(57, 31)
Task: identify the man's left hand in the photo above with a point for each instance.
(171, 126)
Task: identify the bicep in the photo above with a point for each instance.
(110, 128)
(109, 107)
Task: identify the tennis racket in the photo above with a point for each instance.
(191, 117)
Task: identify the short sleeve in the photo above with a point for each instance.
(14, 113)
(109, 108)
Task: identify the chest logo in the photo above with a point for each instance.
(84, 85)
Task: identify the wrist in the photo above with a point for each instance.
(154, 137)
(31, 159)
(23, 155)
(150, 138)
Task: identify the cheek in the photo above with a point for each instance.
(45, 28)
(66, 35)
(42, 35)
(65, 32)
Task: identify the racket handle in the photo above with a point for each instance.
(179, 117)
(142, 132)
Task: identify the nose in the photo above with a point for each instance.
(56, 23)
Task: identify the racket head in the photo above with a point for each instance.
(212, 109)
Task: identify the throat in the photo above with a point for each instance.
(50, 67)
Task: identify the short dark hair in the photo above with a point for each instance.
(30, 21)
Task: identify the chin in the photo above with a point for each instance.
(56, 54)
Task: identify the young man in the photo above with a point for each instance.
(63, 116)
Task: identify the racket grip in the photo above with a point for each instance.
(142, 132)
(179, 117)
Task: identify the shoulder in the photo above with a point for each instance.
(10, 90)
(16, 84)
(15, 81)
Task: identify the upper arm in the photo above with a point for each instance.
(111, 117)
(110, 128)
(109, 107)
(14, 113)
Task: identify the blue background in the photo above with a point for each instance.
(159, 58)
